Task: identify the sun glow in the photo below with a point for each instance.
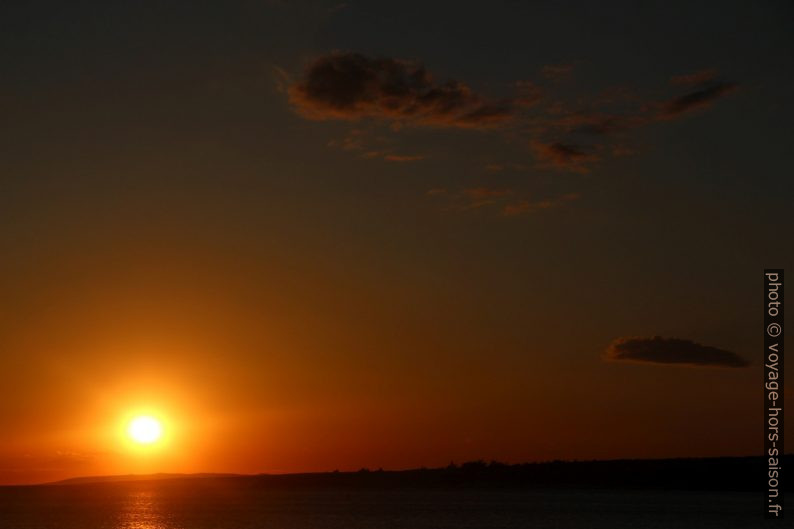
(145, 429)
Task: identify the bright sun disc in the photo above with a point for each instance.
(145, 430)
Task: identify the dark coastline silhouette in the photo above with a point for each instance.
(697, 474)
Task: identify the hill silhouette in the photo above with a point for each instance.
(707, 474)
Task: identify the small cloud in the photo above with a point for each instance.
(557, 72)
(436, 191)
(671, 351)
(561, 156)
(351, 86)
(701, 77)
(698, 99)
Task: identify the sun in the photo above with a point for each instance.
(145, 429)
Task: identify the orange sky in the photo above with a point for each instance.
(293, 372)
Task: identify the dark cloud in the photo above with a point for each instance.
(562, 156)
(571, 132)
(671, 351)
(701, 98)
(351, 86)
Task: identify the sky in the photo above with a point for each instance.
(331, 235)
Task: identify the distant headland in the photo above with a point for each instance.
(707, 474)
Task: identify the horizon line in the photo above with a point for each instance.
(165, 476)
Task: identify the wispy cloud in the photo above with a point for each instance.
(354, 140)
(372, 146)
(561, 156)
(671, 351)
(569, 133)
(698, 99)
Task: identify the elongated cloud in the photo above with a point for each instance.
(701, 98)
(351, 86)
(566, 157)
(671, 351)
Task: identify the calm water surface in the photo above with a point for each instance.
(223, 506)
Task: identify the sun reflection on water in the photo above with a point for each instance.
(142, 512)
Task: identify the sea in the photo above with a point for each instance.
(198, 505)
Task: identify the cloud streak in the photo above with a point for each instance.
(351, 86)
(671, 351)
(562, 156)
(569, 133)
(698, 99)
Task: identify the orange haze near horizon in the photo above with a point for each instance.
(306, 373)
